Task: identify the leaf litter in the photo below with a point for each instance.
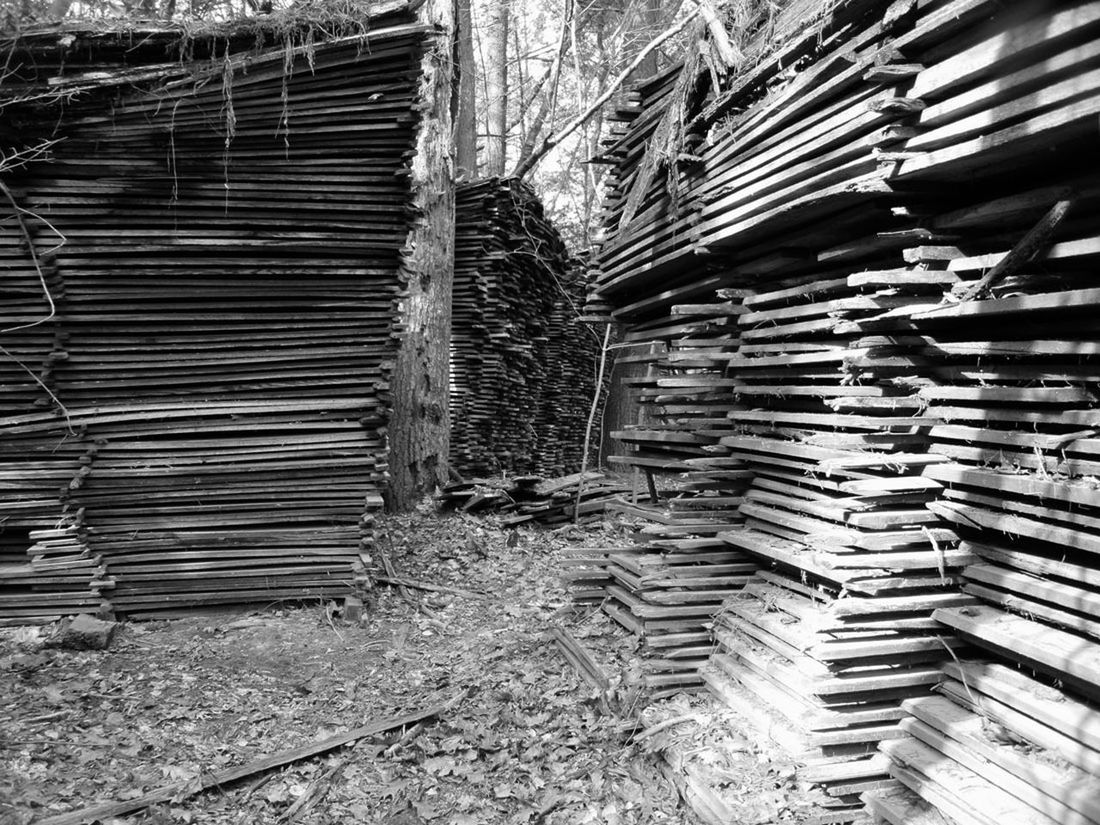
(526, 740)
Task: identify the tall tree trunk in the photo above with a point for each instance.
(464, 102)
(496, 75)
(420, 428)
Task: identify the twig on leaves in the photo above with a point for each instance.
(182, 790)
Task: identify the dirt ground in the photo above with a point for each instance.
(525, 740)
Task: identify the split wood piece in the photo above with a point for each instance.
(1028, 247)
(181, 790)
(387, 565)
(437, 588)
(1065, 655)
(313, 794)
(581, 660)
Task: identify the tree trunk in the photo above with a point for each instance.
(496, 76)
(419, 431)
(464, 105)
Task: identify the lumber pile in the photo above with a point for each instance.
(840, 631)
(1012, 403)
(669, 582)
(1009, 391)
(200, 393)
(46, 567)
(523, 366)
(761, 162)
(911, 389)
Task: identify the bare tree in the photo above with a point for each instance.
(555, 139)
(496, 84)
(550, 96)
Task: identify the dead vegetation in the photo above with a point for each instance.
(524, 741)
(524, 738)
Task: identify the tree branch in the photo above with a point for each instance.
(550, 101)
(553, 140)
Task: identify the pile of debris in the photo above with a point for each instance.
(580, 498)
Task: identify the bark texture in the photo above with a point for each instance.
(465, 98)
(419, 430)
(496, 82)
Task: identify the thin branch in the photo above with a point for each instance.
(550, 101)
(29, 239)
(551, 142)
(591, 419)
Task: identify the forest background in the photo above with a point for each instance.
(528, 70)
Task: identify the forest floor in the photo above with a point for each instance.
(522, 740)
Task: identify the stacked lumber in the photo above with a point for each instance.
(1009, 83)
(764, 160)
(1011, 349)
(880, 99)
(1000, 746)
(830, 641)
(523, 366)
(57, 576)
(913, 390)
(221, 319)
(668, 584)
(1011, 395)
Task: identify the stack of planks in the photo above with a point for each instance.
(46, 568)
(667, 585)
(840, 631)
(523, 365)
(1009, 388)
(1012, 401)
(920, 462)
(771, 156)
(211, 344)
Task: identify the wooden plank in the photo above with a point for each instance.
(1066, 655)
(1049, 706)
(954, 789)
(1064, 795)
